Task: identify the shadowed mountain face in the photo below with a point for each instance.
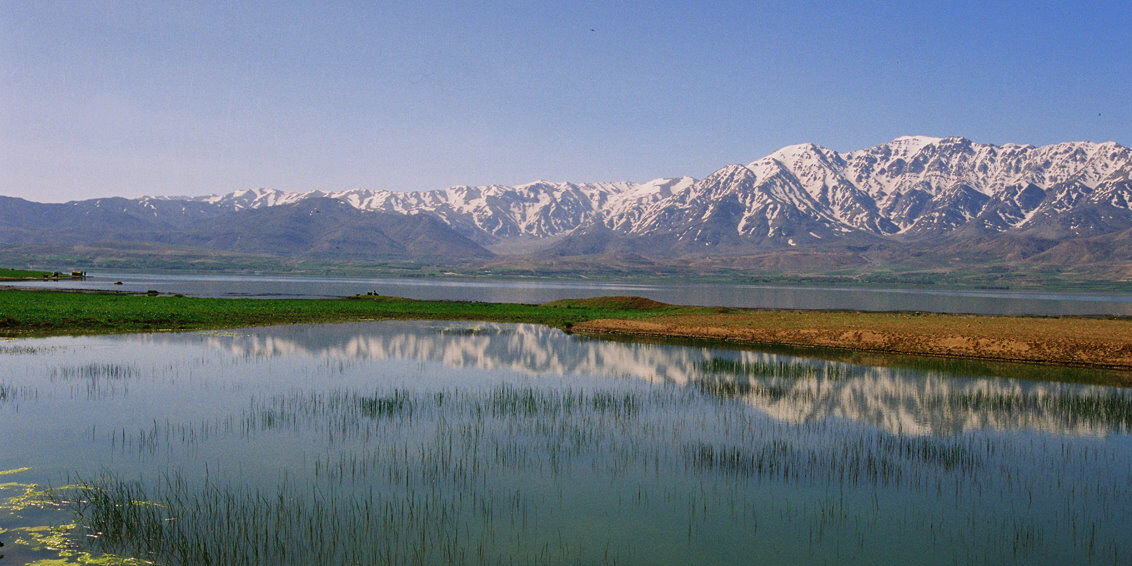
(913, 195)
(330, 228)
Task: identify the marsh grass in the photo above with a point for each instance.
(97, 380)
(22, 349)
(466, 331)
(95, 371)
(12, 393)
(1110, 408)
(775, 382)
(776, 369)
(509, 474)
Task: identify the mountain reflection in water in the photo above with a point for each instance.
(790, 389)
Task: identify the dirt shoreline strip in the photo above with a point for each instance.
(1083, 342)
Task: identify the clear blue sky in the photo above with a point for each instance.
(100, 98)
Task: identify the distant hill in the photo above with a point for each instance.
(323, 228)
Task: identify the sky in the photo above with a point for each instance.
(104, 98)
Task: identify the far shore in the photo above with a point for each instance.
(1090, 342)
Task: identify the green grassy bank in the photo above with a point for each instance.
(21, 274)
(43, 313)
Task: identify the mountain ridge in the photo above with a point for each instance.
(938, 183)
(949, 195)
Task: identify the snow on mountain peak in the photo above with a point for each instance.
(914, 143)
(911, 185)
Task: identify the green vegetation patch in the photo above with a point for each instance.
(58, 541)
(21, 274)
(39, 313)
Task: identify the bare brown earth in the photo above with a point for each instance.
(1078, 341)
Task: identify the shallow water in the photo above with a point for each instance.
(513, 291)
(406, 442)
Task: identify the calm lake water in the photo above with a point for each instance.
(512, 291)
(426, 442)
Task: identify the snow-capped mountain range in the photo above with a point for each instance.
(914, 186)
(912, 197)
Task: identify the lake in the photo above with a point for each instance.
(424, 442)
(523, 291)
